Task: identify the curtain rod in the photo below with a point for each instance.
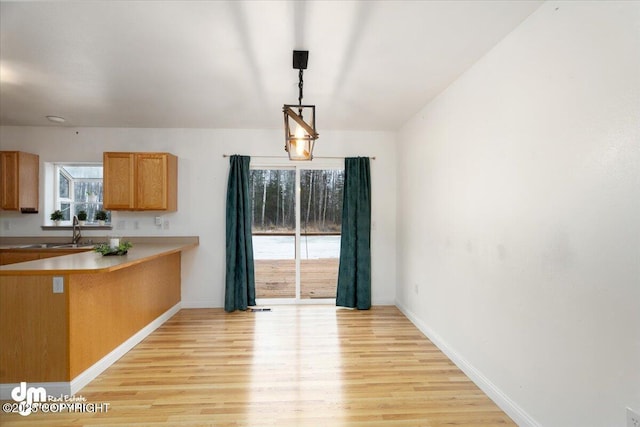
(283, 157)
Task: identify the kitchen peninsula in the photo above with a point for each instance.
(64, 320)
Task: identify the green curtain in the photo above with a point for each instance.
(354, 274)
(240, 290)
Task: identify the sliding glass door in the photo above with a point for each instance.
(297, 214)
(274, 226)
(320, 221)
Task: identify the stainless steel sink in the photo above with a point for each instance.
(73, 245)
(54, 246)
(37, 246)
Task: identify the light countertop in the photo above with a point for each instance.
(93, 262)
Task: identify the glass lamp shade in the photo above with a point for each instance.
(300, 149)
(300, 135)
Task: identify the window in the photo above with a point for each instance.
(79, 188)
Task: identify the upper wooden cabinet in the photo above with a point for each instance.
(119, 181)
(19, 180)
(140, 181)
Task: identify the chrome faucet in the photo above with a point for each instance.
(76, 231)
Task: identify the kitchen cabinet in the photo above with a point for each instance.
(106, 303)
(9, 256)
(140, 181)
(19, 180)
(118, 181)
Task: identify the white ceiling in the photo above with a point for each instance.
(227, 64)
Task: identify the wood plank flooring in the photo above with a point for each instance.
(293, 366)
(276, 278)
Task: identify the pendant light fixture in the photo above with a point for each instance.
(300, 120)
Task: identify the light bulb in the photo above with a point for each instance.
(300, 134)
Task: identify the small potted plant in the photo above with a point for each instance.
(56, 217)
(101, 217)
(106, 249)
(82, 217)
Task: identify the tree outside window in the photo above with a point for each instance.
(79, 188)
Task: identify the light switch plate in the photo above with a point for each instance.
(58, 285)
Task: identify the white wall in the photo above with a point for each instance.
(202, 180)
(519, 217)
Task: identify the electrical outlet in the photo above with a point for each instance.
(633, 418)
(136, 225)
(415, 288)
(158, 221)
(165, 225)
(58, 284)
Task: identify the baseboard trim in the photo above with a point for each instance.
(272, 301)
(71, 388)
(52, 388)
(201, 304)
(100, 366)
(517, 414)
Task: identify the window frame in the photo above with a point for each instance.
(318, 164)
(58, 169)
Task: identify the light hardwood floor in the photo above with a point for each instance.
(293, 366)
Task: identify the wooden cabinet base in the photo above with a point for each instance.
(54, 337)
(34, 330)
(106, 309)
(14, 256)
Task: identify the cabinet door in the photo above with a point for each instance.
(28, 180)
(9, 180)
(7, 257)
(151, 181)
(118, 184)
